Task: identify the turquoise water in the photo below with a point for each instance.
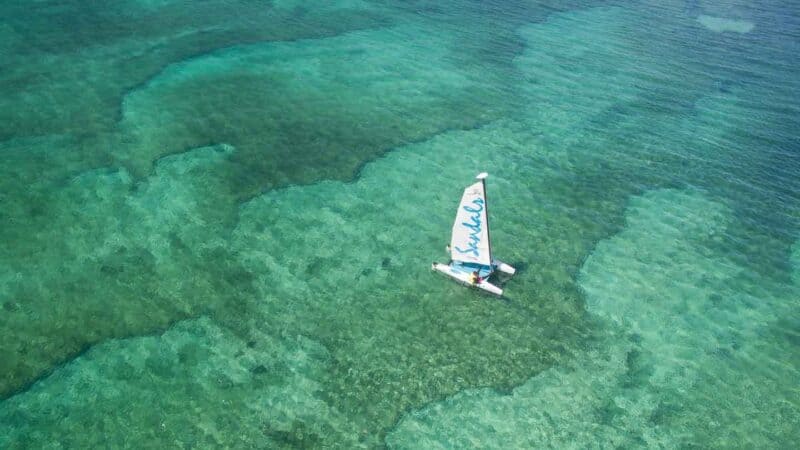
(218, 220)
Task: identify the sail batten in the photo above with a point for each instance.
(469, 242)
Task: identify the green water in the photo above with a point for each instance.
(218, 221)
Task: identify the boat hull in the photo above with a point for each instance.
(463, 277)
(503, 267)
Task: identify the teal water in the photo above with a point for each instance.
(218, 220)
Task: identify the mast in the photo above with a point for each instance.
(482, 176)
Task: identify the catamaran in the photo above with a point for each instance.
(470, 248)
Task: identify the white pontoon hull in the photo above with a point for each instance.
(503, 267)
(464, 278)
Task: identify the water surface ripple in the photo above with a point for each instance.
(218, 219)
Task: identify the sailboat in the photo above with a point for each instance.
(470, 248)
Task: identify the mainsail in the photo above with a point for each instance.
(470, 240)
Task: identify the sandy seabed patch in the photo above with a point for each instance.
(722, 24)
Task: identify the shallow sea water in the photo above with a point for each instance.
(218, 220)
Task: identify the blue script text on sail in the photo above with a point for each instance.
(474, 227)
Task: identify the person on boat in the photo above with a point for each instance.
(475, 278)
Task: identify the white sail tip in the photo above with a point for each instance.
(482, 175)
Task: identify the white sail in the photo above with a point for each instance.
(470, 240)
